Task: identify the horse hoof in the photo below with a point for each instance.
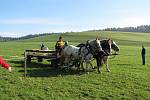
(108, 70)
(93, 67)
(65, 66)
(99, 72)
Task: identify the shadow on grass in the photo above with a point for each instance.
(124, 64)
(35, 69)
(128, 64)
(52, 72)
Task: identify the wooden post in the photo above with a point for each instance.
(25, 63)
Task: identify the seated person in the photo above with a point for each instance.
(42, 45)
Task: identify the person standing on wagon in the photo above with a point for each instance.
(143, 52)
(59, 46)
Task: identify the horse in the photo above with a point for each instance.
(104, 59)
(101, 54)
(79, 55)
(69, 54)
(115, 47)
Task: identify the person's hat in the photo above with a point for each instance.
(60, 37)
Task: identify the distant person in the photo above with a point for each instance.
(42, 45)
(59, 46)
(143, 52)
(5, 65)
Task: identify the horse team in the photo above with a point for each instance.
(84, 53)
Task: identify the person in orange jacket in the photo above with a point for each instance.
(5, 65)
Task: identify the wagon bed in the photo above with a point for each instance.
(29, 55)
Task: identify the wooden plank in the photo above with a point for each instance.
(41, 51)
(42, 56)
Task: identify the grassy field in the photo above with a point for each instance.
(128, 79)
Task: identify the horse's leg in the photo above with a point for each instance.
(91, 65)
(87, 70)
(100, 64)
(98, 61)
(62, 60)
(82, 66)
(66, 61)
(87, 66)
(99, 69)
(107, 67)
(77, 65)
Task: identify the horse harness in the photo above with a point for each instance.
(88, 47)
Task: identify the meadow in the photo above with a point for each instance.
(128, 78)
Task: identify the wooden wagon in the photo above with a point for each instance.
(29, 55)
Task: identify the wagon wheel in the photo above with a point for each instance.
(77, 64)
(54, 63)
(40, 59)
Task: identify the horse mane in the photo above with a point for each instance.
(104, 41)
(81, 45)
(66, 43)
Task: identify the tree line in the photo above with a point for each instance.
(142, 28)
(5, 39)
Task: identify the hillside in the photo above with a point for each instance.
(142, 29)
(124, 38)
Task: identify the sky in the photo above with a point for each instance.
(23, 17)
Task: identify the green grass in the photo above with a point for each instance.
(128, 79)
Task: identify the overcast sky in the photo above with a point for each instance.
(22, 17)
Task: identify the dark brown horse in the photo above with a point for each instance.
(100, 59)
